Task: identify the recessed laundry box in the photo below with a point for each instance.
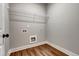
(33, 38)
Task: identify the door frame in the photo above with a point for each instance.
(5, 19)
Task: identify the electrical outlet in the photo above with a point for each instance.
(24, 30)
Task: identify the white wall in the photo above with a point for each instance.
(33, 8)
(63, 26)
(22, 15)
(1, 17)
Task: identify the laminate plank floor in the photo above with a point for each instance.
(42, 50)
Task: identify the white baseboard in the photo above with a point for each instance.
(25, 47)
(40, 43)
(62, 49)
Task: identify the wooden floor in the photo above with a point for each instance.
(42, 50)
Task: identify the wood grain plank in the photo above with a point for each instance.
(24, 52)
(54, 50)
(42, 50)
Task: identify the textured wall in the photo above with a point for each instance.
(29, 17)
(63, 26)
(1, 17)
(19, 38)
(33, 8)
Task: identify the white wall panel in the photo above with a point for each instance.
(63, 25)
(26, 16)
